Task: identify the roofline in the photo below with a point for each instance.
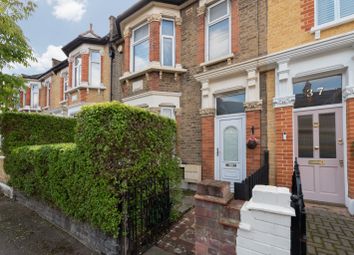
(81, 40)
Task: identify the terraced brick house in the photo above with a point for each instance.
(173, 57)
(229, 71)
(83, 78)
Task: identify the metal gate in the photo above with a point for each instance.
(298, 223)
(148, 209)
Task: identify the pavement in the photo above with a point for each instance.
(23, 232)
(330, 230)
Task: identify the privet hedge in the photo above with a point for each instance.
(114, 143)
(20, 129)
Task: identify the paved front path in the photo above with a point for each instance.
(330, 230)
(23, 232)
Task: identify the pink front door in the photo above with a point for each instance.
(319, 149)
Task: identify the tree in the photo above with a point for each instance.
(14, 49)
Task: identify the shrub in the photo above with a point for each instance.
(116, 145)
(126, 141)
(59, 175)
(20, 129)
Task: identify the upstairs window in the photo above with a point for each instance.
(95, 68)
(140, 47)
(167, 42)
(333, 10)
(218, 30)
(35, 95)
(77, 72)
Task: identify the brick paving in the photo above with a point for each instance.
(330, 230)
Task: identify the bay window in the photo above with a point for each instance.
(140, 47)
(77, 72)
(328, 11)
(167, 42)
(95, 68)
(218, 30)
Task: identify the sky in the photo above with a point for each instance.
(56, 22)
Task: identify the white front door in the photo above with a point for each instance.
(230, 148)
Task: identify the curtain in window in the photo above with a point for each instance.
(325, 11)
(346, 8)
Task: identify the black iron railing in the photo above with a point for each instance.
(148, 208)
(243, 191)
(298, 223)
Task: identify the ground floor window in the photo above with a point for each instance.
(168, 112)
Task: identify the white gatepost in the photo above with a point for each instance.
(265, 222)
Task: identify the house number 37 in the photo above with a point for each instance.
(309, 92)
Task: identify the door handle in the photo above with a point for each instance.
(340, 141)
(217, 152)
(317, 148)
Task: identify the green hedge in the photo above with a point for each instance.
(21, 129)
(114, 143)
(59, 175)
(125, 140)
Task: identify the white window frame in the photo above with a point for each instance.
(337, 19)
(74, 85)
(133, 44)
(172, 109)
(209, 24)
(95, 51)
(173, 37)
(32, 95)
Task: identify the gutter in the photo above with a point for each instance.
(111, 56)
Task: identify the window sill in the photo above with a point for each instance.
(63, 101)
(332, 24)
(218, 60)
(88, 87)
(151, 68)
(31, 109)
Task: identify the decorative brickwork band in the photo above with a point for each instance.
(85, 67)
(350, 141)
(28, 96)
(284, 148)
(70, 81)
(127, 38)
(61, 88)
(235, 22)
(307, 14)
(284, 101)
(178, 42)
(155, 40)
(201, 34)
(207, 146)
(253, 120)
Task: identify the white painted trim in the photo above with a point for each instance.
(152, 67)
(320, 107)
(217, 60)
(348, 203)
(152, 93)
(318, 73)
(317, 47)
(87, 86)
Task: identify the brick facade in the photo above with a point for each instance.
(85, 68)
(350, 142)
(308, 14)
(253, 119)
(154, 41)
(284, 149)
(28, 96)
(208, 146)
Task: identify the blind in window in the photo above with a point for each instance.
(346, 8)
(325, 11)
